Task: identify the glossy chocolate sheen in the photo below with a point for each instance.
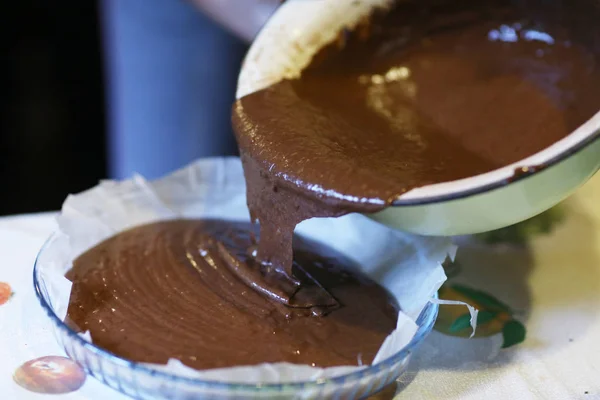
(433, 91)
(184, 290)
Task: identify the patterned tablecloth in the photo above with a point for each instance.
(551, 284)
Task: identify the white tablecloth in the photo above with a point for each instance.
(555, 283)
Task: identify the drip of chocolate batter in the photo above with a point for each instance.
(173, 290)
(436, 91)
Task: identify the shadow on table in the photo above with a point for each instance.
(563, 266)
(387, 393)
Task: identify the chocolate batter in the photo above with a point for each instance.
(435, 91)
(184, 289)
(432, 91)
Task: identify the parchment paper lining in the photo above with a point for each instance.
(408, 266)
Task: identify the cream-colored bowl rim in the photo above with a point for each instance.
(299, 28)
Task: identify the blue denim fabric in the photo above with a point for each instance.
(170, 75)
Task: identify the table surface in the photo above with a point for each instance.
(554, 282)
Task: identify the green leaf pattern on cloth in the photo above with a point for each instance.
(513, 333)
(494, 316)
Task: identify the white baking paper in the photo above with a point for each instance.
(408, 266)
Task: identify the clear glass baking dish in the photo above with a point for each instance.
(143, 382)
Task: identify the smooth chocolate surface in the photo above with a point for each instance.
(185, 290)
(431, 92)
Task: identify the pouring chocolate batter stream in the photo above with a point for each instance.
(429, 92)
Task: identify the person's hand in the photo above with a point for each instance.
(242, 17)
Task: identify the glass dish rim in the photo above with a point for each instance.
(430, 311)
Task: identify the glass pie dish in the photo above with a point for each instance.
(141, 381)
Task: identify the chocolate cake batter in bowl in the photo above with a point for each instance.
(436, 117)
(111, 356)
(158, 290)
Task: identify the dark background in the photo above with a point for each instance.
(52, 129)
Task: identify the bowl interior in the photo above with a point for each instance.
(300, 28)
(143, 381)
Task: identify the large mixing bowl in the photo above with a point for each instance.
(481, 203)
